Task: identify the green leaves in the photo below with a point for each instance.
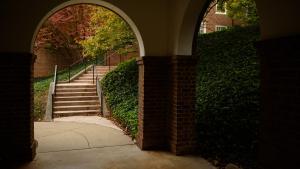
(228, 95)
(227, 92)
(112, 33)
(243, 10)
(120, 88)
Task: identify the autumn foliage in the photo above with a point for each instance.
(91, 30)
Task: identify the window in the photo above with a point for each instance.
(220, 28)
(202, 27)
(221, 8)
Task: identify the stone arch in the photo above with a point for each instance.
(104, 4)
(190, 24)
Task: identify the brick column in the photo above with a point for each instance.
(181, 118)
(16, 120)
(280, 84)
(153, 101)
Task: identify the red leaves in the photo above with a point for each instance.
(65, 27)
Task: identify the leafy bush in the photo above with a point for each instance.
(228, 95)
(120, 88)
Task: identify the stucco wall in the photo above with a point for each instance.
(166, 26)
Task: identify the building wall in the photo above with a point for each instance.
(115, 59)
(213, 19)
(46, 61)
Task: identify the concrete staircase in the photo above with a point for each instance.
(79, 97)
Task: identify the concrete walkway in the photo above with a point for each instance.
(68, 143)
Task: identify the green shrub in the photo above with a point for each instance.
(120, 88)
(228, 95)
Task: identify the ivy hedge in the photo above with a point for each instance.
(120, 88)
(227, 92)
(228, 101)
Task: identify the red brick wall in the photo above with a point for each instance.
(280, 86)
(46, 61)
(153, 102)
(115, 59)
(181, 118)
(167, 103)
(212, 19)
(16, 119)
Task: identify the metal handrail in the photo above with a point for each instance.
(93, 73)
(83, 60)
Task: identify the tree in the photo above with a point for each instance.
(64, 29)
(243, 10)
(111, 33)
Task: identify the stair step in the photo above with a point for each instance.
(75, 108)
(73, 103)
(74, 85)
(90, 76)
(97, 71)
(105, 67)
(83, 81)
(79, 98)
(76, 98)
(86, 78)
(59, 94)
(75, 90)
(76, 113)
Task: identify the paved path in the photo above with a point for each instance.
(70, 144)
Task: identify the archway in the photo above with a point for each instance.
(277, 60)
(168, 31)
(56, 102)
(107, 5)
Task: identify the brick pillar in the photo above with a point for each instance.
(153, 101)
(181, 118)
(280, 84)
(16, 121)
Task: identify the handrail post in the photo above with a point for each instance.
(69, 74)
(96, 84)
(109, 63)
(93, 73)
(84, 65)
